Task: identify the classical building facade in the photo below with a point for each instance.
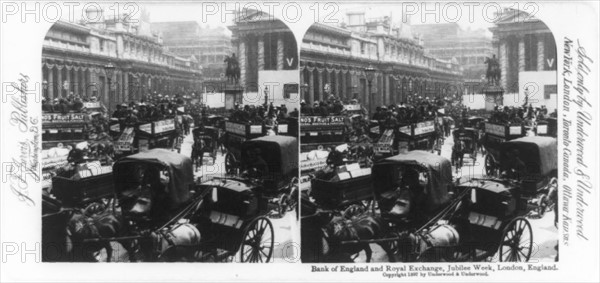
(469, 48)
(208, 45)
(338, 56)
(113, 61)
(267, 53)
(527, 55)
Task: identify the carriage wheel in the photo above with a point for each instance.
(517, 241)
(489, 165)
(258, 241)
(230, 164)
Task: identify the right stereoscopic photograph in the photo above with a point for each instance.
(427, 139)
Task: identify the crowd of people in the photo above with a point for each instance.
(261, 114)
(526, 114)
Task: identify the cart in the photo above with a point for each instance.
(157, 195)
(417, 136)
(538, 181)
(466, 141)
(235, 135)
(495, 135)
(205, 144)
(273, 161)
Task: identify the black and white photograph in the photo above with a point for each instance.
(428, 142)
(167, 140)
(299, 141)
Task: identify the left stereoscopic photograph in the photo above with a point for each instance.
(170, 136)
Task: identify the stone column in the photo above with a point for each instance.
(59, 81)
(125, 82)
(503, 64)
(311, 87)
(541, 60)
(76, 83)
(521, 54)
(51, 85)
(344, 89)
(261, 52)
(386, 88)
(280, 52)
(242, 61)
(88, 83)
(119, 88)
(320, 84)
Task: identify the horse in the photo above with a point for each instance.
(429, 245)
(458, 153)
(95, 222)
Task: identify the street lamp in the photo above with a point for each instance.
(370, 74)
(266, 96)
(110, 71)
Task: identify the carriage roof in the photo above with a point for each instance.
(179, 166)
(438, 167)
(538, 151)
(282, 151)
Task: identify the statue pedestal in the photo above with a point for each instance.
(233, 93)
(494, 95)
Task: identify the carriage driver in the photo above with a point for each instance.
(407, 197)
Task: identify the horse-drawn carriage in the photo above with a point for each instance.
(466, 141)
(206, 144)
(235, 135)
(423, 216)
(547, 127)
(417, 136)
(274, 161)
(318, 132)
(131, 139)
(495, 135)
(160, 213)
(531, 163)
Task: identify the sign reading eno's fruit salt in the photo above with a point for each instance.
(321, 121)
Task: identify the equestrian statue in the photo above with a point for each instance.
(493, 70)
(233, 69)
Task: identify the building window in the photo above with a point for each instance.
(362, 48)
(101, 45)
(548, 90)
(530, 52)
(289, 89)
